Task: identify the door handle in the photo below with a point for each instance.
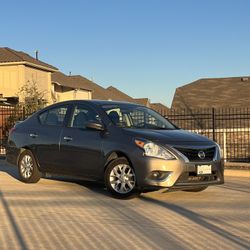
(67, 138)
(33, 135)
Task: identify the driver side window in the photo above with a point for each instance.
(82, 115)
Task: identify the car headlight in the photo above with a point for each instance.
(221, 153)
(153, 150)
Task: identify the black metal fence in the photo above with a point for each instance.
(8, 116)
(230, 127)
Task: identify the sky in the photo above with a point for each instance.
(146, 48)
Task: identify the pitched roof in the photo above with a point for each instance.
(118, 95)
(75, 82)
(98, 92)
(160, 108)
(78, 81)
(8, 55)
(143, 101)
(213, 92)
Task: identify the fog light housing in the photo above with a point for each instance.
(159, 175)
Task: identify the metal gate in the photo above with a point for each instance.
(8, 116)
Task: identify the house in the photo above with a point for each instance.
(69, 87)
(18, 68)
(117, 95)
(213, 92)
(143, 101)
(160, 108)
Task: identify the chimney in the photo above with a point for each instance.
(36, 51)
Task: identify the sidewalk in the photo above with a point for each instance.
(237, 173)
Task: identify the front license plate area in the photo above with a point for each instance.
(204, 169)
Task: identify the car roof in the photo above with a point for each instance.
(97, 102)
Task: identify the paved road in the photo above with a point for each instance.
(59, 214)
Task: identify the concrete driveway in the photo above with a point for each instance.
(61, 214)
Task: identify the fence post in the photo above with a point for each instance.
(213, 123)
(23, 114)
(225, 145)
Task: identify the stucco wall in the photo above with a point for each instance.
(81, 94)
(11, 79)
(73, 95)
(42, 80)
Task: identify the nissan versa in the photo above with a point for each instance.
(130, 147)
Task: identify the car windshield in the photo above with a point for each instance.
(137, 117)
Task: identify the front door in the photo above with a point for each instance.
(80, 147)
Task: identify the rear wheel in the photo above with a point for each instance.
(120, 179)
(27, 166)
(196, 189)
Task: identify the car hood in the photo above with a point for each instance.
(173, 137)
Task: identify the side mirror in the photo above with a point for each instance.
(94, 125)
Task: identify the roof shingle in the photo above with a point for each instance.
(75, 82)
(117, 95)
(160, 108)
(78, 81)
(143, 101)
(8, 55)
(214, 92)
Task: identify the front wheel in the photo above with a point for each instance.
(27, 166)
(120, 179)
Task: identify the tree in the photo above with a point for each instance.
(33, 100)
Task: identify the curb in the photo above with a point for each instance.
(237, 173)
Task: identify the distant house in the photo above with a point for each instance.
(160, 108)
(143, 101)
(117, 95)
(18, 68)
(70, 87)
(213, 92)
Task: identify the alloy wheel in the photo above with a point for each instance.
(122, 178)
(26, 166)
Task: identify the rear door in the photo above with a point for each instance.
(81, 148)
(46, 138)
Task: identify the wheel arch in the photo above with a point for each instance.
(115, 155)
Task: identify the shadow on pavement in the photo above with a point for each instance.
(197, 218)
(14, 225)
(92, 185)
(9, 169)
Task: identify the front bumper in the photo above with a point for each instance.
(177, 174)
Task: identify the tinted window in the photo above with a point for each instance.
(53, 117)
(83, 114)
(133, 116)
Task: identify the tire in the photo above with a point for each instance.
(196, 189)
(27, 167)
(120, 179)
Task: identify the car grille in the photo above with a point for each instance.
(193, 154)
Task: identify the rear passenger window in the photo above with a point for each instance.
(53, 117)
